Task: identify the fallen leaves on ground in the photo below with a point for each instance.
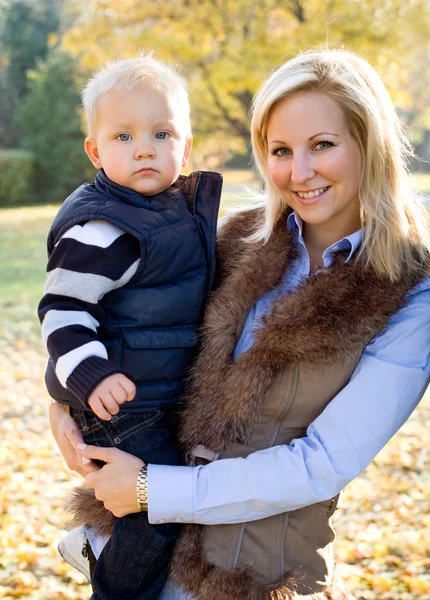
(383, 525)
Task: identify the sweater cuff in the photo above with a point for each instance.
(88, 374)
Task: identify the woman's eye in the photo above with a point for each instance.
(161, 135)
(124, 137)
(323, 145)
(282, 152)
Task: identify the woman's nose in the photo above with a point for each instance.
(302, 169)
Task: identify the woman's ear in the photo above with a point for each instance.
(187, 150)
(92, 152)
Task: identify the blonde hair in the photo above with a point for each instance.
(129, 74)
(395, 235)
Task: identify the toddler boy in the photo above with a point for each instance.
(131, 260)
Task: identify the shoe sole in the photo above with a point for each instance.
(65, 555)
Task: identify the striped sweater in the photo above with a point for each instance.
(89, 261)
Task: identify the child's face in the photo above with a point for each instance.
(139, 140)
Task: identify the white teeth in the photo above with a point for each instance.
(308, 195)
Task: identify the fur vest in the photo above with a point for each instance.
(304, 355)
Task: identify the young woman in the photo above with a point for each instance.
(315, 346)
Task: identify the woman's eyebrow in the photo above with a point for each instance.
(322, 133)
(311, 138)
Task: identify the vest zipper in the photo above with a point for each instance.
(197, 221)
(199, 226)
(199, 176)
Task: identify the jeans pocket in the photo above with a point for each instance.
(128, 425)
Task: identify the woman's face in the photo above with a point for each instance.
(314, 162)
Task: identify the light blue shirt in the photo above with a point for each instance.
(384, 389)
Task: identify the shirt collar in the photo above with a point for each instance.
(348, 243)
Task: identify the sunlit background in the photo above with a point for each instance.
(225, 48)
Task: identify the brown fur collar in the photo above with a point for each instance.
(332, 315)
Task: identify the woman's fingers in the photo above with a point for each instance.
(72, 433)
(115, 483)
(107, 455)
(67, 436)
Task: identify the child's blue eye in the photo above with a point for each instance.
(161, 135)
(124, 137)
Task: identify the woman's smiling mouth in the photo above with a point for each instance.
(311, 197)
(312, 193)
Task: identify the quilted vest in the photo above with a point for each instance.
(150, 324)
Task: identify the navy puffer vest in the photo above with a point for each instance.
(150, 324)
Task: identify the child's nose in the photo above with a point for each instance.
(144, 151)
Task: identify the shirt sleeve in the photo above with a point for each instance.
(386, 386)
(87, 262)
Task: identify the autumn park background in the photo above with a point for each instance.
(225, 48)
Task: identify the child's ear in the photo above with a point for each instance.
(92, 151)
(187, 151)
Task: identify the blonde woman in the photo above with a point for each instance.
(315, 346)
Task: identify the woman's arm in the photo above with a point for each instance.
(384, 389)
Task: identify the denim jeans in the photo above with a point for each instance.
(134, 563)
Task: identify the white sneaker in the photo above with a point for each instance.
(74, 549)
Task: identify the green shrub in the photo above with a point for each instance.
(49, 117)
(16, 178)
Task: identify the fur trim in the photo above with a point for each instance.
(332, 315)
(86, 509)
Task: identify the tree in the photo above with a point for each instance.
(50, 116)
(26, 27)
(226, 48)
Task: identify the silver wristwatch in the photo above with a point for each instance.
(142, 488)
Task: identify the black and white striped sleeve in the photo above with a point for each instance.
(88, 261)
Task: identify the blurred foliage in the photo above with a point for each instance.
(25, 27)
(50, 115)
(17, 169)
(226, 48)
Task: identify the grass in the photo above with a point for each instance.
(421, 182)
(22, 265)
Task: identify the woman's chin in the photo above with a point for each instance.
(314, 215)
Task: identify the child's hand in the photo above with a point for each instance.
(106, 398)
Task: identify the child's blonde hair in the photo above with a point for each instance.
(395, 235)
(132, 73)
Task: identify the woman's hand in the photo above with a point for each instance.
(68, 436)
(115, 483)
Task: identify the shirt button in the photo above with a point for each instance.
(161, 521)
(178, 521)
(117, 440)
